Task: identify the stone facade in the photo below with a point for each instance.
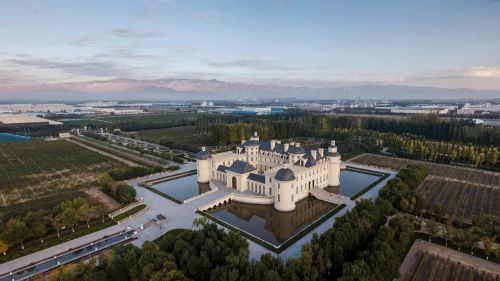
(286, 172)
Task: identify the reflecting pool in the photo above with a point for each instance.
(352, 182)
(267, 223)
(182, 188)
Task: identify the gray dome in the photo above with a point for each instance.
(202, 155)
(333, 154)
(285, 174)
(296, 150)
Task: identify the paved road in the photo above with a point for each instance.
(182, 216)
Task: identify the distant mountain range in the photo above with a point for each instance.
(185, 89)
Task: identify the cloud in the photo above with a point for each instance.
(86, 68)
(252, 63)
(132, 33)
(484, 72)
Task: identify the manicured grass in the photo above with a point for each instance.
(284, 245)
(130, 212)
(35, 169)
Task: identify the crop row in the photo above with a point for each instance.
(432, 267)
(460, 198)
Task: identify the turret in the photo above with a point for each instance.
(333, 165)
(202, 165)
(284, 193)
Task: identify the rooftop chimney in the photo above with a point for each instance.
(321, 152)
(297, 144)
(203, 148)
(273, 144)
(313, 154)
(286, 147)
(242, 141)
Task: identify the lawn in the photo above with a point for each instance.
(42, 169)
(184, 137)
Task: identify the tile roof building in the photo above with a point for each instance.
(284, 172)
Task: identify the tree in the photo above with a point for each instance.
(432, 229)
(106, 182)
(57, 222)
(101, 210)
(68, 217)
(488, 244)
(85, 213)
(15, 232)
(124, 193)
(4, 246)
(36, 222)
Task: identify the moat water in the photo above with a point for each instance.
(182, 188)
(268, 224)
(275, 227)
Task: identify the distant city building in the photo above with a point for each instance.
(422, 109)
(20, 120)
(207, 104)
(469, 109)
(272, 171)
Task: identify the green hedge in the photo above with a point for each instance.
(146, 186)
(129, 212)
(288, 242)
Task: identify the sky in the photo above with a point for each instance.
(451, 44)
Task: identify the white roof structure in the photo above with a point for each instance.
(14, 119)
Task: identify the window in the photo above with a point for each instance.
(270, 191)
(278, 197)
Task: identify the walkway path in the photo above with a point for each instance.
(329, 197)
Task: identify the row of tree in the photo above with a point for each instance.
(36, 224)
(352, 135)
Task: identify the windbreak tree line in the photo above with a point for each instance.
(419, 137)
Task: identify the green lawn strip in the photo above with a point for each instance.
(129, 212)
(364, 190)
(287, 243)
(34, 245)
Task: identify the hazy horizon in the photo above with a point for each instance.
(326, 49)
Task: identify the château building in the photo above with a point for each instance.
(284, 172)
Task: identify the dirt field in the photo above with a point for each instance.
(428, 261)
(96, 194)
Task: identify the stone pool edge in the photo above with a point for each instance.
(287, 243)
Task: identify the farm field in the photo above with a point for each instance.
(37, 169)
(178, 137)
(137, 122)
(427, 261)
(449, 171)
(462, 191)
(466, 199)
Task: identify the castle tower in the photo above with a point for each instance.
(333, 165)
(202, 165)
(283, 186)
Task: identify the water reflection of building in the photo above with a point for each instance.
(282, 224)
